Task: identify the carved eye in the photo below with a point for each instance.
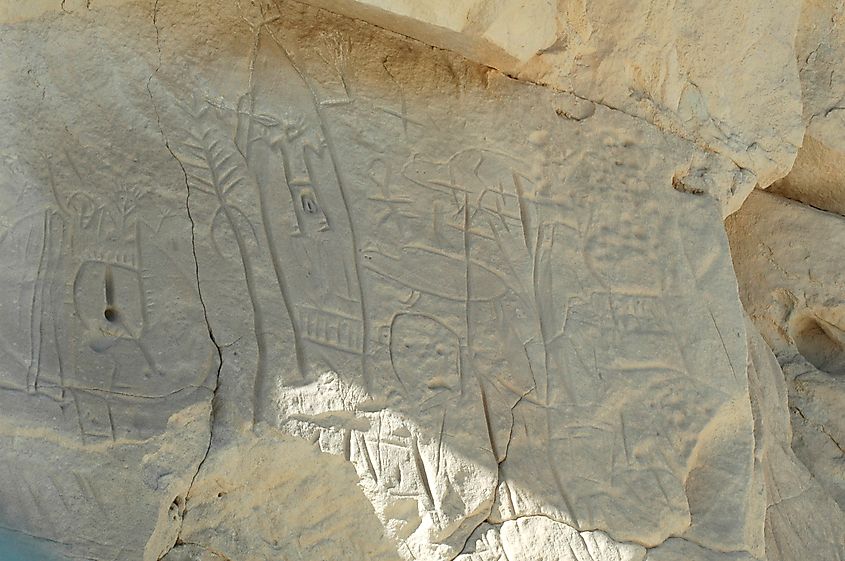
(309, 205)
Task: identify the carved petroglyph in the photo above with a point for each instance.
(100, 275)
(424, 316)
(491, 294)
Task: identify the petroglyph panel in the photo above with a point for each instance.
(496, 319)
(106, 366)
(103, 331)
(481, 305)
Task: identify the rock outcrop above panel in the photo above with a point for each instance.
(720, 74)
(282, 284)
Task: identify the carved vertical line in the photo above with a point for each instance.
(258, 410)
(258, 324)
(353, 236)
(36, 312)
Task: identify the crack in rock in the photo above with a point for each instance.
(219, 350)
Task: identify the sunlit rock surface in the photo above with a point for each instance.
(281, 284)
(817, 178)
(721, 74)
(793, 291)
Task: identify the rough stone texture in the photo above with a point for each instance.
(817, 177)
(721, 74)
(284, 285)
(792, 287)
(801, 520)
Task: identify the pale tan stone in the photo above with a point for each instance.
(720, 74)
(801, 520)
(277, 283)
(788, 259)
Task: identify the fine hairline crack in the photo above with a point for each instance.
(819, 427)
(205, 318)
(211, 336)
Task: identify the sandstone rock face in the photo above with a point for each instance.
(817, 178)
(720, 74)
(792, 289)
(280, 284)
(801, 520)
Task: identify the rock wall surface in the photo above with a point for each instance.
(721, 74)
(816, 178)
(281, 284)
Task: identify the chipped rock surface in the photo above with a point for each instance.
(281, 284)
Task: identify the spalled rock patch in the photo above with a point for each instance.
(817, 178)
(270, 496)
